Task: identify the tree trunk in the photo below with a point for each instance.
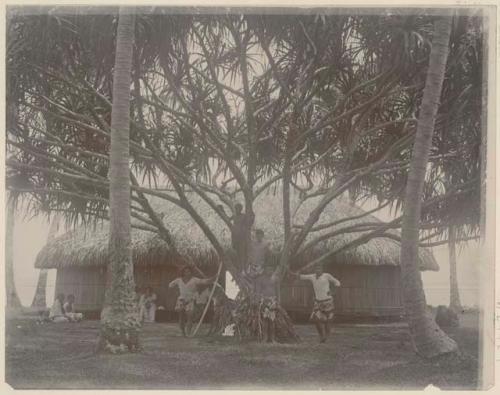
(455, 303)
(13, 301)
(119, 318)
(428, 339)
(39, 300)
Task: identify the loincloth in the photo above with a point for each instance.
(184, 305)
(269, 307)
(322, 310)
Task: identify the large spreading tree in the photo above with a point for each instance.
(228, 108)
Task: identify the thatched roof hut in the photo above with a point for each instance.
(369, 273)
(89, 246)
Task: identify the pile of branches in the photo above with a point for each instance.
(223, 314)
(249, 320)
(246, 315)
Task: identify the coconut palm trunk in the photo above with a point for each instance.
(428, 339)
(13, 301)
(119, 318)
(39, 300)
(455, 303)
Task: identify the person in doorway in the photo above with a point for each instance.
(322, 314)
(69, 310)
(187, 285)
(149, 303)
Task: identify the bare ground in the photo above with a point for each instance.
(356, 357)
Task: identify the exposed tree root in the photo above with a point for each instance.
(247, 315)
(118, 340)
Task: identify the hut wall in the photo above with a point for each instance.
(365, 291)
(88, 284)
(158, 278)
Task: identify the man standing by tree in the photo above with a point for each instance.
(240, 227)
(266, 290)
(259, 254)
(322, 313)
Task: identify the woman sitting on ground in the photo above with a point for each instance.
(57, 311)
(69, 310)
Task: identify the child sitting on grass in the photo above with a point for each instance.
(57, 313)
(69, 310)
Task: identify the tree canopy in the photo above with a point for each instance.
(231, 106)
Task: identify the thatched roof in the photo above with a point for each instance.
(88, 246)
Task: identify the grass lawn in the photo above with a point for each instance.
(356, 357)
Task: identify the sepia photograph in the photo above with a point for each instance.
(249, 198)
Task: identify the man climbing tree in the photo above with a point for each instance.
(259, 254)
(241, 224)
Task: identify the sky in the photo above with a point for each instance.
(31, 235)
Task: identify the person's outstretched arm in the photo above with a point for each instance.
(299, 276)
(173, 283)
(306, 276)
(334, 281)
(207, 281)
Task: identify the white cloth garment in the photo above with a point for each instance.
(321, 284)
(57, 313)
(202, 298)
(149, 308)
(187, 290)
(75, 316)
(56, 310)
